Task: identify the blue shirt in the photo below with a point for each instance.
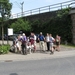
(41, 37)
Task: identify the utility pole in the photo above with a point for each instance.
(22, 8)
(2, 11)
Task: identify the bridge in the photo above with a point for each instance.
(47, 11)
(44, 9)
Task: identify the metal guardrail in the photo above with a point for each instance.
(44, 9)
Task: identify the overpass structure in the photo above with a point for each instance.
(47, 12)
(44, 9)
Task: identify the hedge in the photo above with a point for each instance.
(4, 49)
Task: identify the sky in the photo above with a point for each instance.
(31, 4)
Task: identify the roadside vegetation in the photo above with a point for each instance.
(5, 9)
(61, 24)
(68, 45)
(4, 49)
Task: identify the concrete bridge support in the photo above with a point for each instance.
(72, 13)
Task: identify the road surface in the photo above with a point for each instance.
(55, 66)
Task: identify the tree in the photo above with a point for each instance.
(21, 25)
(5, 8)
(63, 13)
(36, 26)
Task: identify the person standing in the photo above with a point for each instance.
(18, 45)
(19, 41)
(31, 38)
(14, 44)
(47, 42)
(24, 46)
(51, 44)
(57, 39)
(34, 42)
(41, 41)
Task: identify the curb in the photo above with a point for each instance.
(36, 56)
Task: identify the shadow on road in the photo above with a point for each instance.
(13, 74)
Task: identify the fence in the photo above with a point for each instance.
(44, 9)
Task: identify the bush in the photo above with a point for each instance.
(61, 24)
(4, 49)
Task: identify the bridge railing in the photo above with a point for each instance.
(44, 9)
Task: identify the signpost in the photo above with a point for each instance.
(10, 31)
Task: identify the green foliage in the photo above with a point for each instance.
(4, 49)
(63, 12)
(6, 7)
(61, 25)
(36, 24)
(21, 24)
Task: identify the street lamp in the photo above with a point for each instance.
(6, 19)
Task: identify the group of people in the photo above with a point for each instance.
(25, 44)
(52, 43)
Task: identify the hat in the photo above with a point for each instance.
(23, 34)
(40, 32)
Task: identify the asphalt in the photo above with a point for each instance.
(64, 52)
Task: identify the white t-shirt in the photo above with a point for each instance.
(51, 39)
(34, 37)
(47, 39)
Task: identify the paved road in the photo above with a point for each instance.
(56, 66)
(61, 63)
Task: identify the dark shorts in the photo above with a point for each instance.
(57, 43)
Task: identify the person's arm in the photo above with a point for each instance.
(35, 37)
(38, 38)
(44, 38)
(25, 38)
(53, 39)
